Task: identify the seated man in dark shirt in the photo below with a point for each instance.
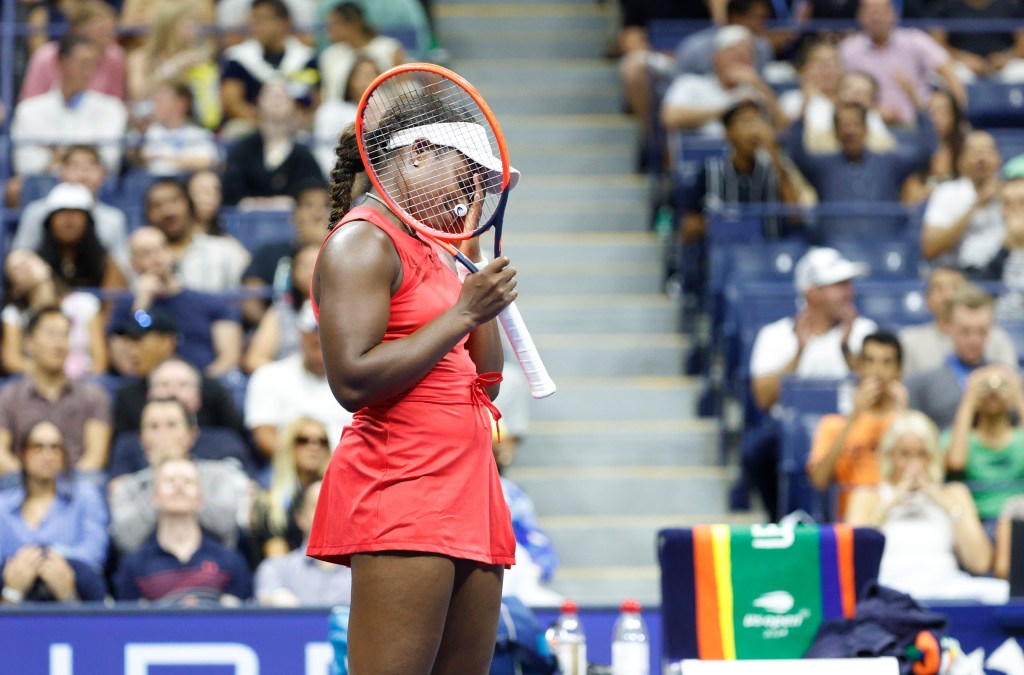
(181, 564)
(751, 172)
(985, 53)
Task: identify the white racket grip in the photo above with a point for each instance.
(541, 384)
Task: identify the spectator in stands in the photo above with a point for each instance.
(202, 262)
(752, 171)
(982, 54)
(181, 564)
(697, 102)
(823, 84)
(937, 392)
(899, 59)
(270, 400)
(963, 223)
(81, 165)
(272, 262)
(95, 21)
(405, 16)
(926, 346)
(160, 374)
(176, 51)
(69, 113)
(856, 173)
(296, 580)
(173, 144)
(53, 530)
(696, 52)
(821, 341)
(267, 168)
(233, 16)
(70, 245)
(951, 128)
(932, 530)
(271, 54)
(985, 446)
(81, 410)
(169, 433)
(334, 114)
(845, 448)
(299, 460)
(352, 40)
(847, 9)
(277, 335)
(29, 286)
(1008, 265)
(639, 59)
(206, 191)
(210, 335)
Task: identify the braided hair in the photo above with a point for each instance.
(406, 111)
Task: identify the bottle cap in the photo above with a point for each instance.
(630, 605)
(570, 607)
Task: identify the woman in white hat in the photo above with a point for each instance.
(412, 500)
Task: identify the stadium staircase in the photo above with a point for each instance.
(617, 452)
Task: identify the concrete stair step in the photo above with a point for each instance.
(632, 398)
(548, 99)
(479, 19)
(500, 4)
(643, 249)
(566, 160)
(542, 41)
(608, 491)
(585, 278)
(608, 586)
(618, 442)
(528, 71)
(613, 355)
(567, 131)
(565, 216)
(623, 189)
(599, 313)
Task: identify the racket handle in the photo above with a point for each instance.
(541, 384)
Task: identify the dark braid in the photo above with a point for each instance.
(347, 164)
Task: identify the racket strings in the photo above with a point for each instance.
(406, 116)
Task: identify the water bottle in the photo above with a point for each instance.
(631, 650)
(337, 635)
(570, 644)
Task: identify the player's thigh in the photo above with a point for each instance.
(471, 627)
(399, 604)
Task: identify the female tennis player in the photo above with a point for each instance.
(411, 499)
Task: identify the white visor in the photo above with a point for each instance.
(468, 138)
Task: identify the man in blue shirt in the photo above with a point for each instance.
(857, 175)
(181, 564)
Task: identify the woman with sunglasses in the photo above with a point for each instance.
(53, 530)
(300, 460)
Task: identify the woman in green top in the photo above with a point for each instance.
(984, 446)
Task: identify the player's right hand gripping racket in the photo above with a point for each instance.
(422, 107)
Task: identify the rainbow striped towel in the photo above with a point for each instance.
(762, 591)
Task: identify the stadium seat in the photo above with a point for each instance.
(995, 105)
(895, 259)
(723, 587)
(1016, 331)
(893, 304)
(236, 382)
(258, 228)
(803, 402)
(127, 455)
(135, 185)
(36, 187)
(1010, 142)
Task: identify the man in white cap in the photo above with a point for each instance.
(696, 102)
(270, 400)
(821, 341)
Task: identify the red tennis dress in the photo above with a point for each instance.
(416, 472)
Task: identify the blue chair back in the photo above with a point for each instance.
(995, 105)
(36, 186)
(804, 402)
(255, 229)
(893, 304)
(896, 259)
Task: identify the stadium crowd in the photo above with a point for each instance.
(844, 230)
(165, 418)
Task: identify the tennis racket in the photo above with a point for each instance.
(424, 110)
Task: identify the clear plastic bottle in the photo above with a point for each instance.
(570, 644)
(631, 648)
(337, 635)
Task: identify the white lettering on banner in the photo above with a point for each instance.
(62, 660)
(319, 656)
(138, 657)
(772, 536)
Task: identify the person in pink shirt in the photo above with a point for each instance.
(96, 21)
(900, 59)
